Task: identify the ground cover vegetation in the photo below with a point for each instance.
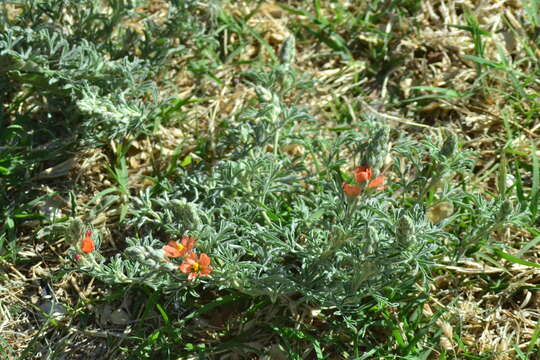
(279, 180)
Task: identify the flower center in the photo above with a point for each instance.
(180, 247)
(196, 267)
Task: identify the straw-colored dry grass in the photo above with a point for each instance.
(428, 50)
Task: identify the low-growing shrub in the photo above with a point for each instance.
(298, 216)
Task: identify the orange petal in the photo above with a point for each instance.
(378, 182)
(192, 276)
(206, 270)
(191, 258)
(188, 242)
(362, 173)
(185, 268)
(204, 260)
(87, 245)
(171, 251)
(351, 190)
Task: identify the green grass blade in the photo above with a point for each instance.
(535, 191)
(516, 260)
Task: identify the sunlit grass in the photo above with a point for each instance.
(146, 120)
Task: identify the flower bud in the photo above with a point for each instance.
(404, 230)
(168, 266)
(504, 210)
(449, 146)
(188, 214)
(135, 251)
(288, 51)
(75, 230)
(263, 94)
(377, 150)
(372, 241)
(153, 258)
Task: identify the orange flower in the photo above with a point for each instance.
(351, 190)
(378, 183)
(174, 249)
(196, 266)
(87, 244)
(362, 174)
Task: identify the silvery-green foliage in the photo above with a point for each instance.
(112, 115)
(422, 166)
(280, 232)
(434, 169)
(282, 78)
(164, 213)
(78, 76)
(79, 73)
(72, 230)
(142, 262)
(482, 217)
(279, 226)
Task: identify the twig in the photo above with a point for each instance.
(393, 118)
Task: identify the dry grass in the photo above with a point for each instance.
(429, 50)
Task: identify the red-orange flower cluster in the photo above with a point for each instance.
(192, 264)
(87, 244)
(362, 175)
